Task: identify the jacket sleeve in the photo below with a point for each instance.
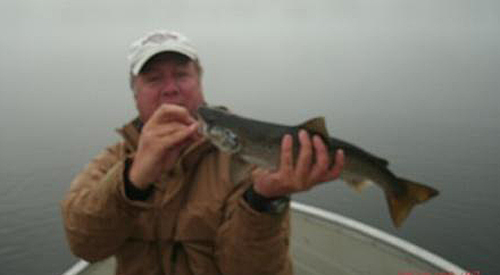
(250, 242)
(97, 215)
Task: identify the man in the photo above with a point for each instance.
(163, 201)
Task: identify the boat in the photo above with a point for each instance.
(325, 243)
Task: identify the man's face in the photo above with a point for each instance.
(168, 78)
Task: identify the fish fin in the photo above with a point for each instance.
(400, 205)
(316, 125)
(357, 184)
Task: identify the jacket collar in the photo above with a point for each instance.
(130, 133)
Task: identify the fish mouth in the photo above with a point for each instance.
(203, 125)
(203, 128)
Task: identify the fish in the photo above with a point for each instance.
(258, 143)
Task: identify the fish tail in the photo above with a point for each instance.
(401, 203)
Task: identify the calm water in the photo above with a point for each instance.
(414, 82)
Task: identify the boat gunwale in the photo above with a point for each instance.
(78, 267)
(383, 237)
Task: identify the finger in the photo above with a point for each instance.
(339, 164)
(259, 173)
(305, 155)
(167, 129)
(320, 167)
(286, 161)
(270, 184)
(179, 136)
(171, 112)
(155, 136)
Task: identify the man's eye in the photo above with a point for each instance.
(181, 74)
(153, 78)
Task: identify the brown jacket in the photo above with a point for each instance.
(195, 222)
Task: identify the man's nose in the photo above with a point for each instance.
(170, 87)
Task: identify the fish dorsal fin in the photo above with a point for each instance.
(316, 125)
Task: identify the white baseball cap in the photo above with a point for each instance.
(156, 42)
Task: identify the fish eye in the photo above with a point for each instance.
(231, 140)
(225, 138)
(228, 133)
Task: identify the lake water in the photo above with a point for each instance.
(414, 82)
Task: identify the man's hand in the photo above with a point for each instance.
(305, 175)
(169, 130)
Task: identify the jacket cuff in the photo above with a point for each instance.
(123, 199)
(132, 192)
(265, 205)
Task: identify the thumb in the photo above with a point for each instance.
(259, 174)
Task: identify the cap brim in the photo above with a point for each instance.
(164, 48)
